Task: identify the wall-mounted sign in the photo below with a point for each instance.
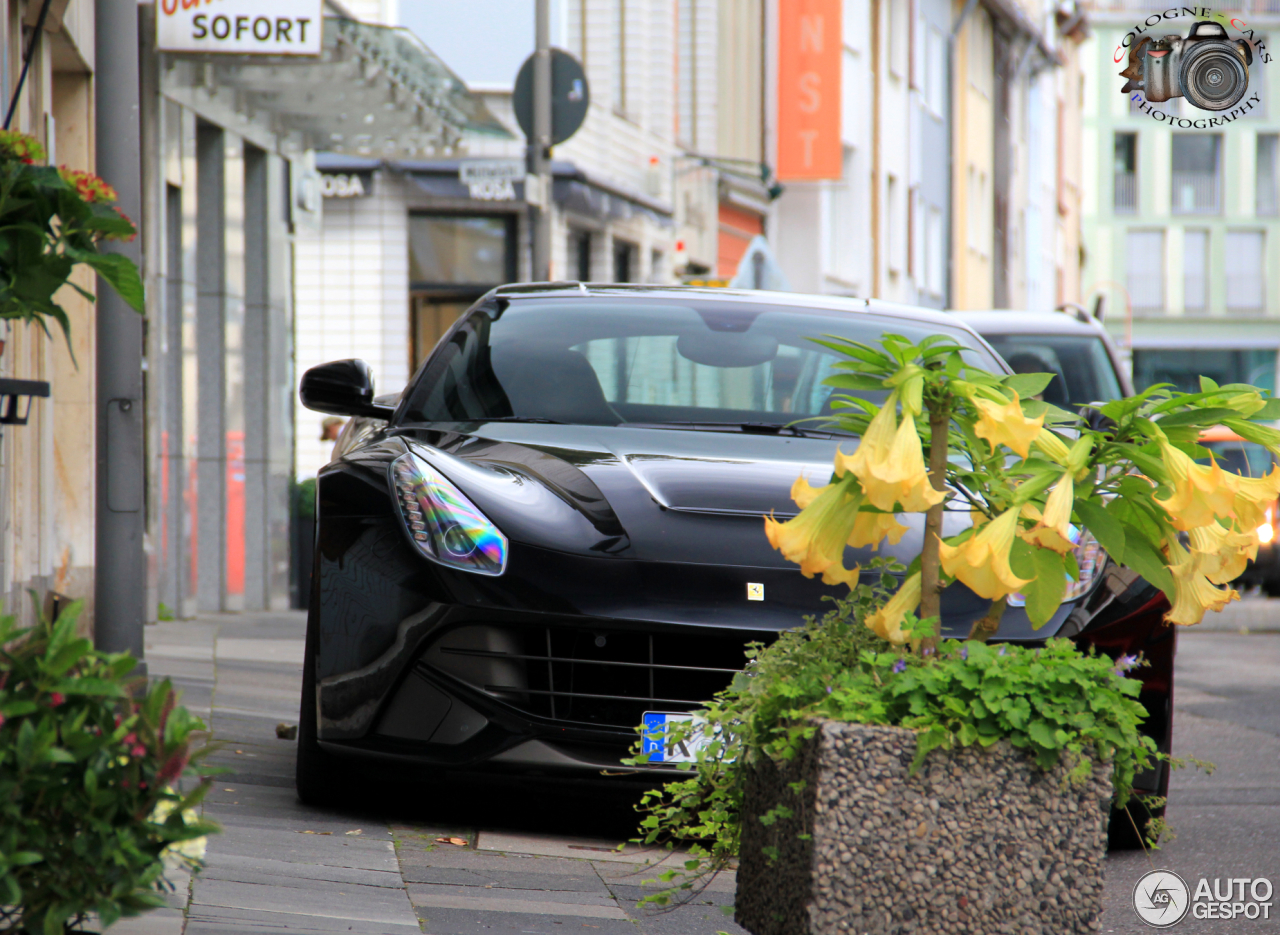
(491, 179)
(261, 27)
(809, 53)
(346, 185)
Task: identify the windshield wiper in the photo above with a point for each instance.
(749, 428)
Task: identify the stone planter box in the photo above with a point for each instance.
(979, 841)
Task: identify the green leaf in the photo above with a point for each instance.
(1198, 417)
(1269, 412)
(1044, 594)
(1042, 734)
(1253, 432)
(119, 272)
(855, 381)
(1027, 385)
(1143, 558)
(1105, 527)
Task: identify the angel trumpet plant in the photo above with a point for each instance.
(1035, 480)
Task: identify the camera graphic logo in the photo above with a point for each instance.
(1208, 68)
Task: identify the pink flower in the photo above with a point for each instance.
(130, 738)
(139, 750)
(1, 720)
(56, 699)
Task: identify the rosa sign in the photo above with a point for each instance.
(262, 27)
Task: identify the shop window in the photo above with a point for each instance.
(1243, 272)
(1144, 269)
(624, 261)
(452, 250)
(453, 260)
(580, 255)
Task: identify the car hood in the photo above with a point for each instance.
(652, 494)
(667, 497)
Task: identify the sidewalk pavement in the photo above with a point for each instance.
(280, 866)
(527, 865)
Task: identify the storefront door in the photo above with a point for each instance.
(453, 260)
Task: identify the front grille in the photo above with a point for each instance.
(597, 677)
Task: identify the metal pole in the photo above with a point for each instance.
(120, 573)
(540, 145)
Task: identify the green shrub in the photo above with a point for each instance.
(1054, 702)
(90, 758)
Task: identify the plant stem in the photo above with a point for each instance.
(930, 559)
(986, 626)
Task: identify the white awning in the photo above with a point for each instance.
(373, 91)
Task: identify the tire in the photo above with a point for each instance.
(319, 777)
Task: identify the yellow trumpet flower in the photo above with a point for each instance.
(1222, 553)
(1253, 495)
(1052, 529)
(1006, 425)
(815, 539)
(982, 561)
(887, 621)
(868, 528)
(1200, 493)
(1053, 447)
(889, 463)
(1193, 594)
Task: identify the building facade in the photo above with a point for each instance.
(47, 465)
(1015, 222)
(663, 182)
(1181, 218)
(230, 189)
(958, 185)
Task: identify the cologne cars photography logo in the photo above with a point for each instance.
(1209, 66)
(1161, 898)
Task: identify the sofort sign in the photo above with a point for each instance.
(261, 27)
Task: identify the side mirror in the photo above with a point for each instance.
(343, 388)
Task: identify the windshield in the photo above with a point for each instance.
(615, 362)
(1083, 370)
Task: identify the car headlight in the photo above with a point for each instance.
(442, 523)
(1089, 556)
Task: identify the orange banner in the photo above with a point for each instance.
(809, 51)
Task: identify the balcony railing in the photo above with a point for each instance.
(1126, 193)
(1195, 193)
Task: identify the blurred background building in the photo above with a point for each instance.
(1181, 221)
(353, 202)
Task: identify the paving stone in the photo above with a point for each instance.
(336, 901)
(559, 846)
(156, 922)
(232, 867)
(441, 895)
(446, 921)
(216, 920)
(445, 856)
(516, 879)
